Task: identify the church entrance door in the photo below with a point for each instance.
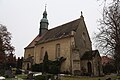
(89, 65)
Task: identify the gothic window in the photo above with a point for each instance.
(42, 53)
(57, 50)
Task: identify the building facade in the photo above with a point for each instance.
(71, 41)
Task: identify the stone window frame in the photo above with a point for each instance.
(57, 53)
(41, 53)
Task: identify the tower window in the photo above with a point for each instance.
(57, 50)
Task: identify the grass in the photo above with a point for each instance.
(23, 76)
(18, 76)
(82, 78)
(71, 77)
(87, 78)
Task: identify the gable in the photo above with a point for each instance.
(88, 55)
(82, 39)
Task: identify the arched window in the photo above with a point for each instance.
(57, 50)
(41, 53)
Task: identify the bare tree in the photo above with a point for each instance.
(108, 37)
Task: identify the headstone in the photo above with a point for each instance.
(55, 77)
(30, 76)
(108, 79)
(8, 73)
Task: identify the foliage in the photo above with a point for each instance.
(5, 47)
(19, 63)
(37, 67)
(45, 63)
(109, 68)
(5, 40)
(18, 71)
(49, 66)
(54, 66)
(108, 37)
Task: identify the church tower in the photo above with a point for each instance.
(43, 23)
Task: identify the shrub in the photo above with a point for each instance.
(37, 67)
(18, 71)
(54, 69)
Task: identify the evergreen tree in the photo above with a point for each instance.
(45, 63)
(5, 40)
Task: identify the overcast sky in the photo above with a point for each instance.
(22, 17)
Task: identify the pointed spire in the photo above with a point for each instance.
(45, 6)
(45, 12)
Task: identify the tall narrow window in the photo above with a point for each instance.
(84, 40)
(41, 53)
(57, 50)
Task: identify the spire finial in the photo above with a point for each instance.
(81, 13)
(45, 6)
(45, 12)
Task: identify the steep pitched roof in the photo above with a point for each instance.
(88, 55)
(32, 44)
(61, 31)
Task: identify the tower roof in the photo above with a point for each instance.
(44, 19)
(45, 13)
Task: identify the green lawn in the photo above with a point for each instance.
(71, 78)
(19, 77)
(88, 78)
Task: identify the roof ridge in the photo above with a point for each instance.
(64, 24)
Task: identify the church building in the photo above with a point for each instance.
(71, 41)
